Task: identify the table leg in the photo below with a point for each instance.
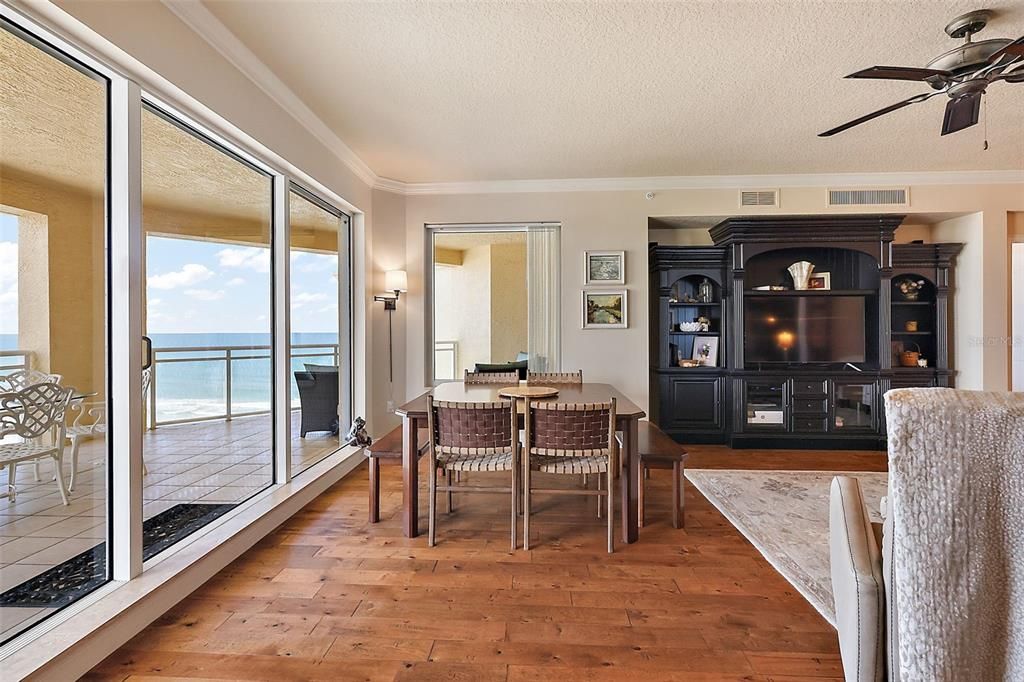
(374, 463)
(410, 479)
(629, 481)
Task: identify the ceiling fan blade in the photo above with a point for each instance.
(881, 112)
(961, 113)
(902, 73)
(1016, 49)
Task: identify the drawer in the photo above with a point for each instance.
(810, 424)
(810, 406)
(803, 387)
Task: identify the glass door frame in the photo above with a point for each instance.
(431, 230)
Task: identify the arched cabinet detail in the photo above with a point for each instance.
(742, 353)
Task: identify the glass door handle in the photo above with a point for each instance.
(148, 354)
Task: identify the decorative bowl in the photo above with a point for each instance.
(689, 326)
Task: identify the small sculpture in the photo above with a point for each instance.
(705, 324)
(357, 435)
(911, 288)
(801, 273)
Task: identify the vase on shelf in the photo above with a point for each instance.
(706, 292)
(801, 274)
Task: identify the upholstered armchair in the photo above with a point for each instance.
(941, 597)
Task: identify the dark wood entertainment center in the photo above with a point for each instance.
(796, 403)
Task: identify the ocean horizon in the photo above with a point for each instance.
(192, 387)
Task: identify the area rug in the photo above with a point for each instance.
(784, 514)
(82, 573)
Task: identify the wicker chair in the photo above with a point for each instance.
(503, 378)
(471, 437)
(550, 378)
(318, 398)
(570, 439)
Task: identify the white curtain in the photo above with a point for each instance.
(543, 266)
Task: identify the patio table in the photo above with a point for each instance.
(414, 417)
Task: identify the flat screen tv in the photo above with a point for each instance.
(804, 329)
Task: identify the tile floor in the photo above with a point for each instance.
(216, 462)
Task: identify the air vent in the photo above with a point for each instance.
(885, 196)
(759, 197)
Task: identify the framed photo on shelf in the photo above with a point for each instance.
(820, 280)
(605, 309)
(604, 267)
(705, 350)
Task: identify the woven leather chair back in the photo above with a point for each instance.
(503, 378)
(568, 428)
(549, 378)
(482, 426)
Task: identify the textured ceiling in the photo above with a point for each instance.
(441, 91)
(54, 130)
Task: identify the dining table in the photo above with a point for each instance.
(627, 415)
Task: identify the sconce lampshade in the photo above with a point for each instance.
(396, 280)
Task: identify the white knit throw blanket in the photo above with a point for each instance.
(956, 478)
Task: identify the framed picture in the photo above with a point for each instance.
(604, 267)
(820, 280)
(605, 309)
(705, 350)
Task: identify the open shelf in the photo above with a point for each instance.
(811, 292)
(928, 303)
(680, 304)
(912, 333)
(679, 333)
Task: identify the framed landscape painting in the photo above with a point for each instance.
(605, 309)
(604, 267)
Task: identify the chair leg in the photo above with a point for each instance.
(677, 495)
(75, 442)
(515, 505)
(60, 481)
(600, 502)
(432, 504)
(641, 501)
(449, 501)
(35, 469)
(374, 490)
(611, 513)
(12, 488)
(526, 503)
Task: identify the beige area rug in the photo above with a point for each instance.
(784, 514)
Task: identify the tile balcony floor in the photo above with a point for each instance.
(215, 462)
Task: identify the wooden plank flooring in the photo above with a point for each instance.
(330, 597)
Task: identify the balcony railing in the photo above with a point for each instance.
(13, 360)
(208, 379)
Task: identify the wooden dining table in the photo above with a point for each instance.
(627, 413)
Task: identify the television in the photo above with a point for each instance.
(799, 329)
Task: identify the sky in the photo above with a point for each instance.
(205, 287)
(8, 274)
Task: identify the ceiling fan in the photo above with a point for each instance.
(962, 74)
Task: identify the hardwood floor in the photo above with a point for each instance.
(329, 596)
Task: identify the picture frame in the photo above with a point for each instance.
(821, 281)
(604, 267)
(705, 349)
(605, 309)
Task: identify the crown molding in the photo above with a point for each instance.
(195, 15)
(730, 182)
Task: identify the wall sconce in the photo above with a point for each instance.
(395, 281)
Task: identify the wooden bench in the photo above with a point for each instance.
(389, 449)
(658, 451)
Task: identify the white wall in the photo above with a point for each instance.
(619, 220)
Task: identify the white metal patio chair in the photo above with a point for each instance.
(22, 379)
(90, 419)
(35, 414)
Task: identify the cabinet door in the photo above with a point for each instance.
(766, 405)
(855, 407)
(696, 403)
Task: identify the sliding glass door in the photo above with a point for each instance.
(54, 541)
(206, 218)
(319, 355)
(495, 299)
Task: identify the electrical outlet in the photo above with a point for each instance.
(391, 407)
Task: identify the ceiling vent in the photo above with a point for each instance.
(759, 197)
(879, 196)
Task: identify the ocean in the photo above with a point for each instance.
(191, 383)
